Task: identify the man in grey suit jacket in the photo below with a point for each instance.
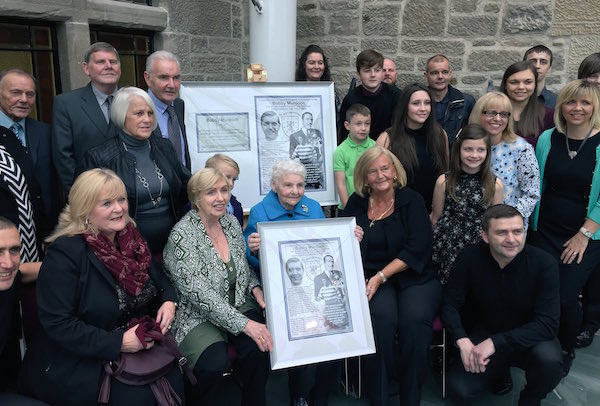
(81, 117)
(17, 97)
(163, 77)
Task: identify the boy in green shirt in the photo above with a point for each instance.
(358, 124)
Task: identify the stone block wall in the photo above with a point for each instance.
(480, 37)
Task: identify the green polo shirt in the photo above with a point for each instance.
(345, 157)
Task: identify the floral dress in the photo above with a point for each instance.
(460, 223)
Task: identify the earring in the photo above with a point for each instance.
(87, 222)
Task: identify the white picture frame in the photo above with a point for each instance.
(312, 320)
(225, 117)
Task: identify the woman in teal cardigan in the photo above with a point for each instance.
(567, 218)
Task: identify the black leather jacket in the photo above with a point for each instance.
(112, 155)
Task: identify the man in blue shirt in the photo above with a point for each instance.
(163, 77)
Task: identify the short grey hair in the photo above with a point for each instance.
(285, 167)
(100, 46)
(120, 104)
(163, 56)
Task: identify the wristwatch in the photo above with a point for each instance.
(586, 232)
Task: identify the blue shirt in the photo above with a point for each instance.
(7, 122)
(162, 116)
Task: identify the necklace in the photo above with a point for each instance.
(144, 181)
(573, 154)
(382, 214)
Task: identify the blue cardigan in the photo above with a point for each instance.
(541, 152)
(269, 209)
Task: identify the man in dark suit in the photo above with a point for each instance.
(81, 117)
(163, 77)
(17, 97)
(306, 135)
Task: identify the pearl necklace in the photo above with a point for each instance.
(382, 214)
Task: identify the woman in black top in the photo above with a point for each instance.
(567, 218)
(154, 177)
(418, 141)
(402, 287)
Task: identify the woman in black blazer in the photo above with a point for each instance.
(154, 177)
(97, 276)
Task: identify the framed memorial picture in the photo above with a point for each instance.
(258, 124)
(314, 287)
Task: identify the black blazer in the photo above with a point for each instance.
(78, 124)
(39, 147)
(112, 155)
(78, 309)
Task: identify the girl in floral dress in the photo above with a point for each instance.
(461, 196)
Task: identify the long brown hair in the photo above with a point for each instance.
(533, 113)
(486, 177)
(403, 146)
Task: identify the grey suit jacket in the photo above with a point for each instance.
(78, 124)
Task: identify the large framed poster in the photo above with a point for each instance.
(314, 287)
(258, 124)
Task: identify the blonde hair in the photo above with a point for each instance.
(577, 88)
(503, 103)
(201, 181)
(216, 159)
(361, 187)
(83, 197)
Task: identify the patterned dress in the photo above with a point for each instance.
(460, 223)
(516, 166)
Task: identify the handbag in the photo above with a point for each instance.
(148, 367)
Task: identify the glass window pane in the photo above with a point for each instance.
(14, 36)
(41, 37)
(128, 76)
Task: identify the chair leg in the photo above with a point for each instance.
(443, 363)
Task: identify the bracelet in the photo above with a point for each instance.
(586, 232)
(382, 276)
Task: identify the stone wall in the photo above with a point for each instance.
(480, 37)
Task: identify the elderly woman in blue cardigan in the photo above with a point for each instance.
(567, 218)
(286, 201)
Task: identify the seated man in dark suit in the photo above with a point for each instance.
(81, 117)
(509, 293)
(17, 97)
(163, 77)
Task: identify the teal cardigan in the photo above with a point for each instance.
(541, 152)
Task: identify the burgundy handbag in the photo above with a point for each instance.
(148, 367)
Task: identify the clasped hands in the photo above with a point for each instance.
(475, 357)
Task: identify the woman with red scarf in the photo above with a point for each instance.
(97, 276)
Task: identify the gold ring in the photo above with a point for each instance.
(261, 338)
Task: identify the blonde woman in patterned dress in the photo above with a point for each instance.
(513, 158)
(221, 300)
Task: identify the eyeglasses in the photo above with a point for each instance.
(494, 113)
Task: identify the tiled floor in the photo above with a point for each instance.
(580, 388)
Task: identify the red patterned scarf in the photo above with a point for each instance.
(130, 264)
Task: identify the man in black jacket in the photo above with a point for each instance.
(509, 293)
(452, 107)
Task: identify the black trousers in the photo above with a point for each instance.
(591, 302)
(573, 278)
(314, 382)
(250, 364)
(542, 364)
(409, 313)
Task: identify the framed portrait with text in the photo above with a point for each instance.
(314, 289)
(258, 124)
